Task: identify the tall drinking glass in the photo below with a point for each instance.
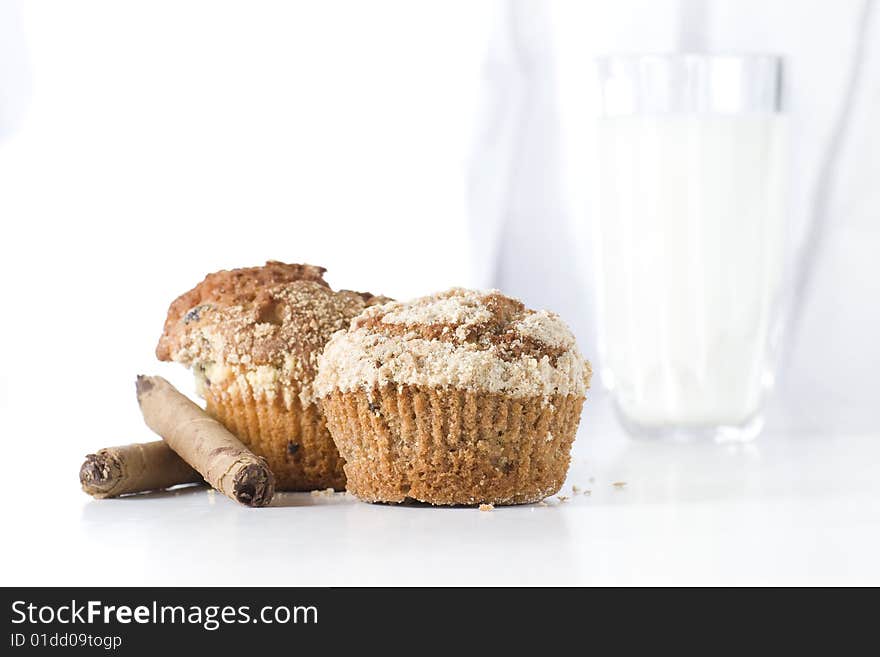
(690, 240)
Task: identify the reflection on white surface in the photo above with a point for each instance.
(311, 540)
(780, 510)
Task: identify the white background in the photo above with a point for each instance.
(407, 147)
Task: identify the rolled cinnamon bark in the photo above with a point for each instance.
(204, 443)
(135, 468)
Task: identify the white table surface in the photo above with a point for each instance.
(781, 510)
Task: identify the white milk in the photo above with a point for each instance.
(690, 257)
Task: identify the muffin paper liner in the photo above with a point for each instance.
(448, 446)
(293, 439)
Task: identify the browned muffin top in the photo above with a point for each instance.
(461, 338)
(246, 287)
(484, 320)
(260, 328)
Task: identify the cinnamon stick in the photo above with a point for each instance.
(204, 443)
(136, 468)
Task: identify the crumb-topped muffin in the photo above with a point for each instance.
(252, 337)
(462, 397)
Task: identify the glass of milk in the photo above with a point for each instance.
(690, 240)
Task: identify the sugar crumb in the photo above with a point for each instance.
(487, 507)
(327, 492)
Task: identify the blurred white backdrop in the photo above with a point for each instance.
(408, 147)
(831, 93)
(148, 143)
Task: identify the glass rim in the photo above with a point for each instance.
(672, 56)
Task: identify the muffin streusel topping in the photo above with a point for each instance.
(236, 287)
(262, 327)
(460, 338)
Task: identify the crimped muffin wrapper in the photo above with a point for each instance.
(450, 446)
(291, 437)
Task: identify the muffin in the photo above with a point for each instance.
(252, 338)
(462, 397)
